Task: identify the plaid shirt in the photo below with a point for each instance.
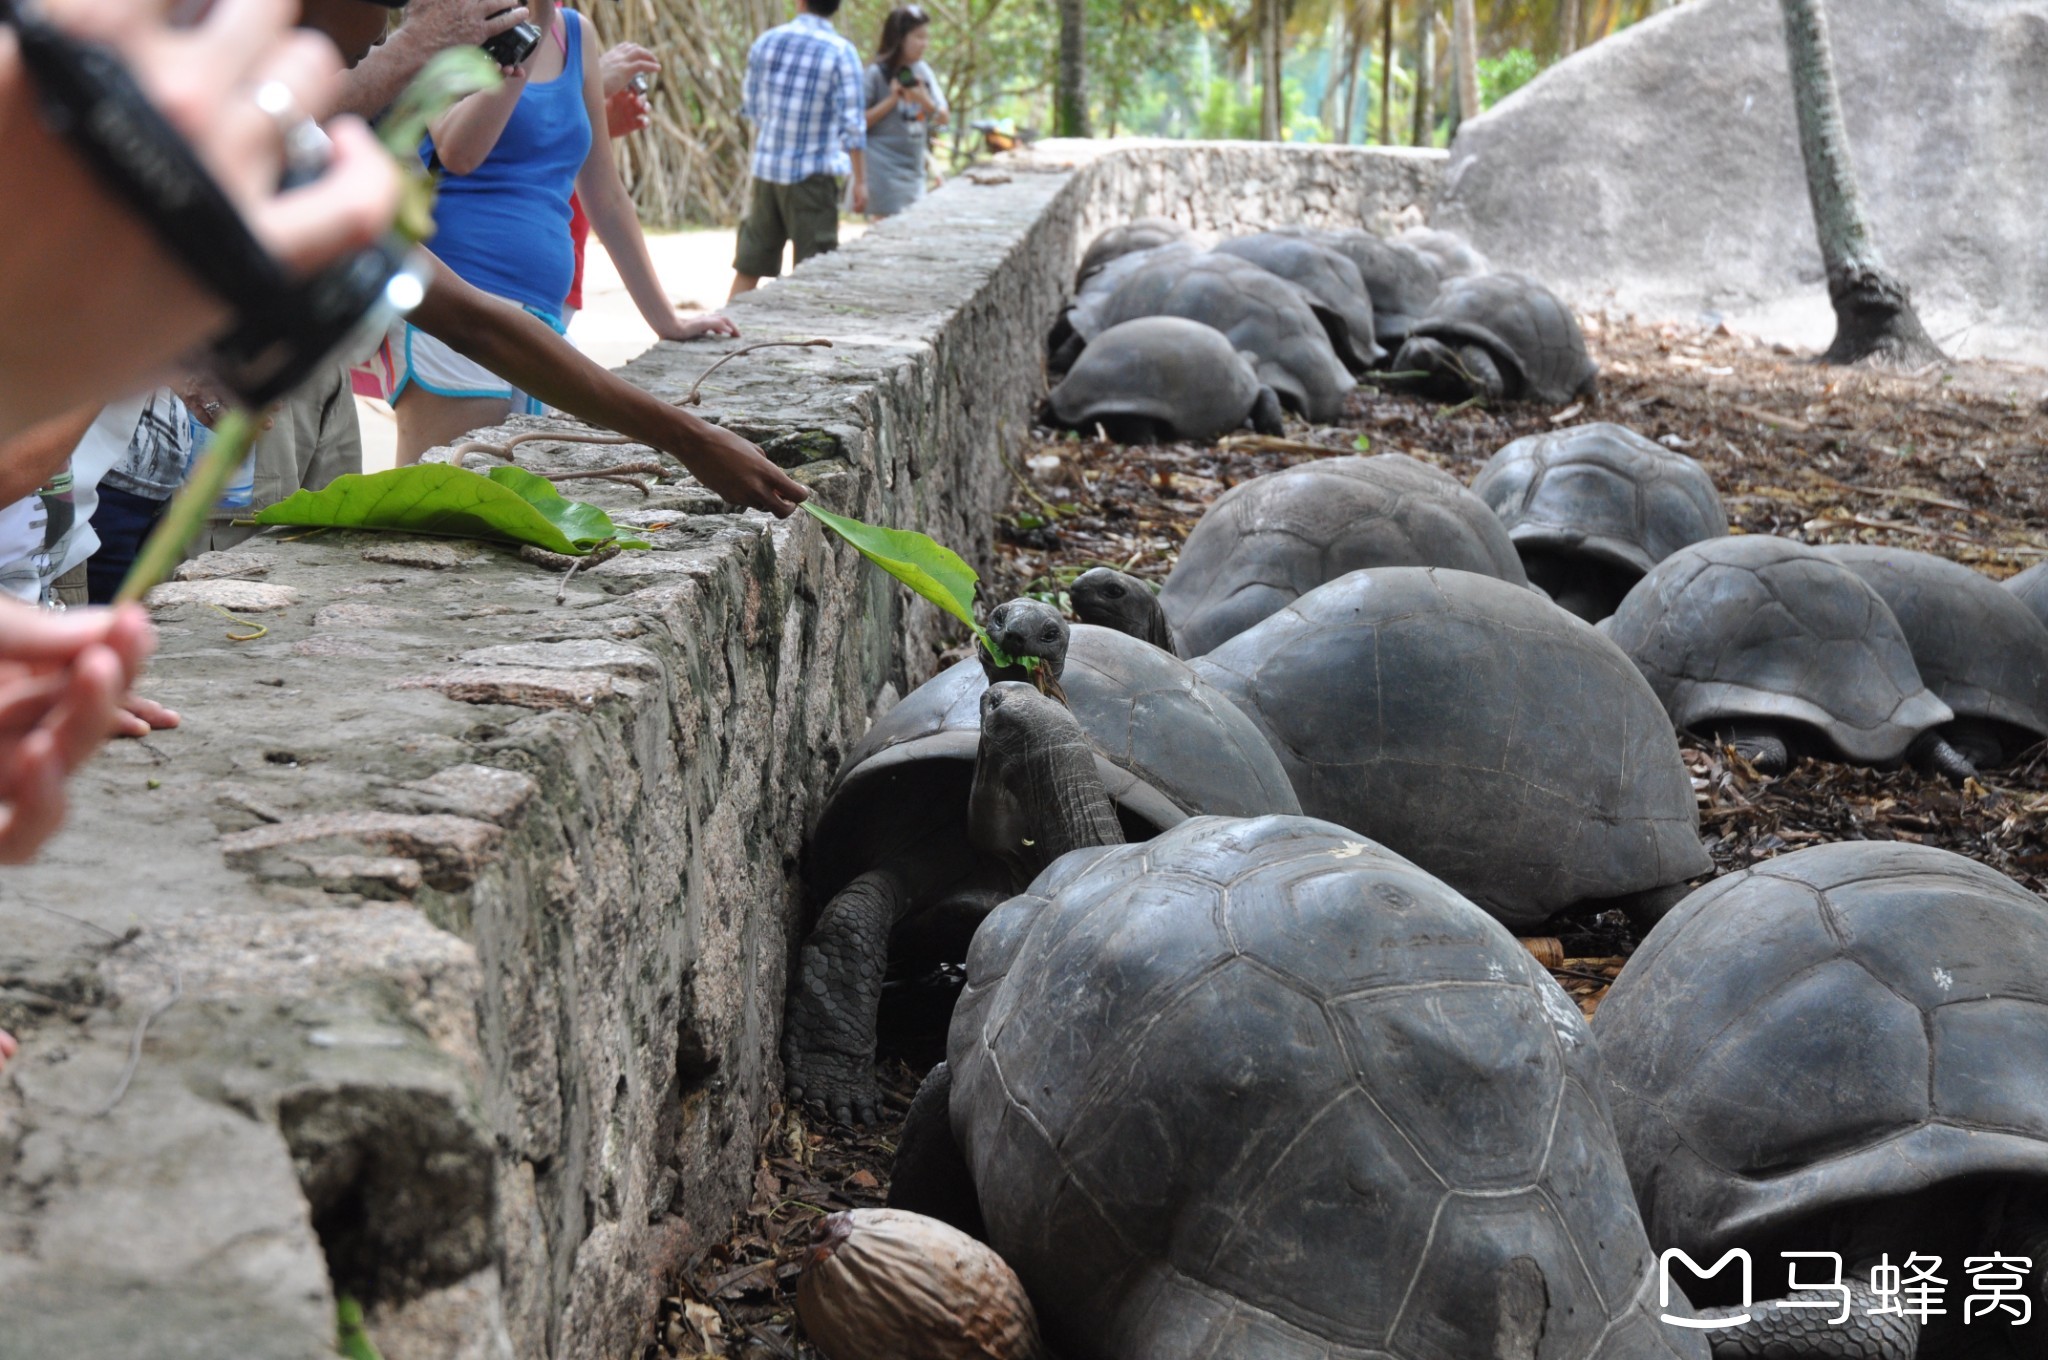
(805, 95)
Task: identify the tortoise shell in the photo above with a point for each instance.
(1755, 627)
(1264, 1088)
(1167, 746)
(1842, 1024)
(1329, 278)
(1451, 255)
(1144, 233)
(1473, 726)
(2031, 586)
(1161, 370)
(1601, 491)
(1533, 337)
(1977, 647)
(1402, 281)
(1272, 539)
(1262, 314)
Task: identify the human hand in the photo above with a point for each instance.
(860, 195)
(437, 25)
(8, 1048)
(626, 112)
(617, 67)
(697, 327)
(134, 308)
(62, 680)
(138, 717)
(738, 471)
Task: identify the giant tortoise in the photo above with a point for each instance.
(1402, 281)
(1496, 740)
(1593, 507)
(1264, 1089)
(1977, 647)
(1501, 337)
(1844, 1049)
(1163, 377)
(2031, 587)
(1144, 233)
(893, 846)
(1081, 319)
(1778, 650)
(1329, 278)
(1262, 313)
(1276, 537)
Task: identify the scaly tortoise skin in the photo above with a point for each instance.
(1753, 629)
(1264, 1089)
(1473, 726)
(1163, 376)
(1843, 1049)
(1268, 541)
(1500, 337)
(1327, 276)
(1262, 314)
(1976, 645)
(1592, 508)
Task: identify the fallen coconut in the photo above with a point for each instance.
(885, 1284)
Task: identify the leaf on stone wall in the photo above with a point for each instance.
(507, 505)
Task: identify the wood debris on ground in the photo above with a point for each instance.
(1952, 461)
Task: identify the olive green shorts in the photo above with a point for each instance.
(805, 213)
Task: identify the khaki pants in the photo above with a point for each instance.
(805, 214)
(313, 439)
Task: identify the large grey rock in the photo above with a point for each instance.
(1662, 165)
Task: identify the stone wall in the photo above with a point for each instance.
(439, 956)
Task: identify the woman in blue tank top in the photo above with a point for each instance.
(510, 159)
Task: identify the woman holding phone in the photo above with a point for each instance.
(904, 106)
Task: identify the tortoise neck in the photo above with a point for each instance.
(1065, 805)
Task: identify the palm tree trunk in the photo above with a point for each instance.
(1422, 125)
(1874, 317)
(1355, 41)
(1465, 39)
(1070, 96)
(1567, 28)
(1386, 72)
(1272, 30)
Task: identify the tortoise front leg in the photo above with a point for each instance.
(1776, 1332)
(828, 1037)
(1931, 754)
(1482, 376)
(930, 1176)
(1758, 743)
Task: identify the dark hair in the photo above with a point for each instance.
(824, 9)
(898, 27)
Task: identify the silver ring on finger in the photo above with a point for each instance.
(306, 147)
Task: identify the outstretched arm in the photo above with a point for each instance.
(526, 353)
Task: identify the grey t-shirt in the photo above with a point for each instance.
(905, 129)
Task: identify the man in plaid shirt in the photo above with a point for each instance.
(805, 98)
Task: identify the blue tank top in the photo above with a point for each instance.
(504, 227)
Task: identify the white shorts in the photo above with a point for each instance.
(411, 357)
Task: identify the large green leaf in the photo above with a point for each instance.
(928, 567)
(509, 505)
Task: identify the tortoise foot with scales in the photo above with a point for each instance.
(1877, 1013)
(902, 866)
(1263, 1089)
(1777, 650)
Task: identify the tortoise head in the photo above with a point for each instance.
(1024, 628)
(1112, 599)
(1036, 791)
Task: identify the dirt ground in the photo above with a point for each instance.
(1953, 460)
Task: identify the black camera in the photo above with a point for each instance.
(908, 79)
(514, 45)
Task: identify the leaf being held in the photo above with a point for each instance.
(928, 567)
(510, 505)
